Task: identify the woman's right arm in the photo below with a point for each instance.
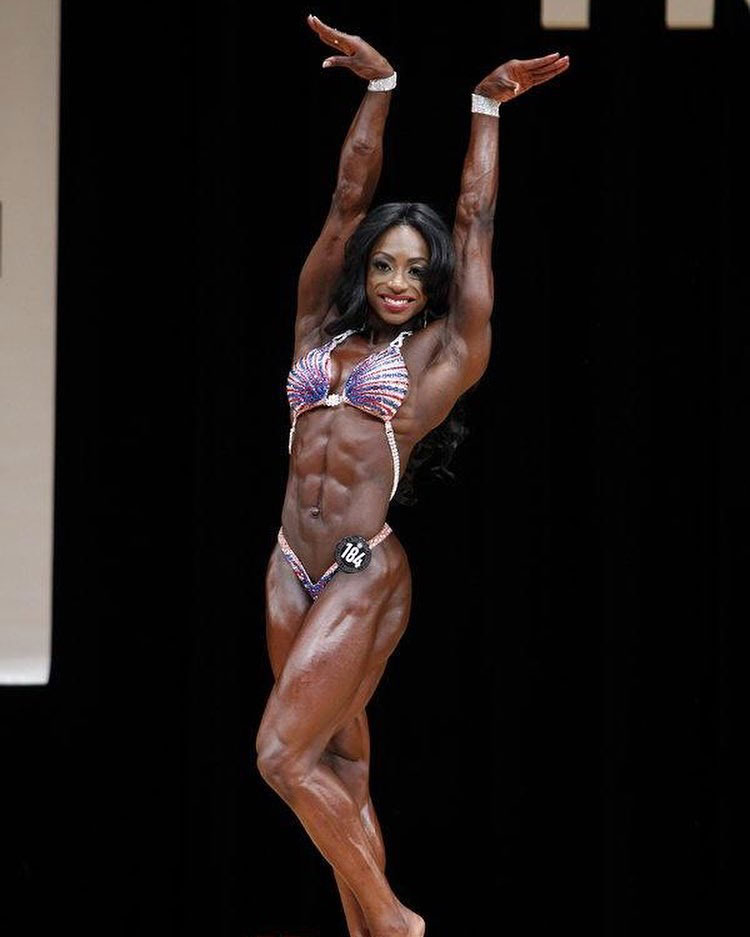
(358, 173)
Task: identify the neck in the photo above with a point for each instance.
(377, 331)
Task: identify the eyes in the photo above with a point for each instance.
(416, 271)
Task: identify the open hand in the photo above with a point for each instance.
(358, 56)
(518, 75)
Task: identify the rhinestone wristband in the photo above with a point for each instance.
(482, 105)
(383, 84)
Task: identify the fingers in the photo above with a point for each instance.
(543, 73)
(333, 37)
(550, 63)
(546, 74)
(541, 61)
(337, 60)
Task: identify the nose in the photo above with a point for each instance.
(396, 282)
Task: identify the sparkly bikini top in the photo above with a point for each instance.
(377, 384)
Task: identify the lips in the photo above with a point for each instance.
(395, 302)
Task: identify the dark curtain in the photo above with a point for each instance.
(550, 741)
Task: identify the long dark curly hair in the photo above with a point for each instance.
(434, 453)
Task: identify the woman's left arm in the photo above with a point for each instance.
(468, 330)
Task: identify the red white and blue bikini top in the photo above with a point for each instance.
(377, 384)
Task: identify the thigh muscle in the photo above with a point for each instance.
(338, 656)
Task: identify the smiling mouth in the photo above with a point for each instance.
(395, 303)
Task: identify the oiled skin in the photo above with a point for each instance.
(327, 657)
(341, 463)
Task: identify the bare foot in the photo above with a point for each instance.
(415, 925)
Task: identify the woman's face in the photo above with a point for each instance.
(395, 270)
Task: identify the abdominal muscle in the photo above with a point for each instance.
(340, 479)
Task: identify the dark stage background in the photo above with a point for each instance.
(551, 737)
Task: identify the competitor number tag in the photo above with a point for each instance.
(353, 554)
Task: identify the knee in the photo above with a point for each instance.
(276, 764)
(268, 752)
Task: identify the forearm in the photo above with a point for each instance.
(480, 175)
(362, 152)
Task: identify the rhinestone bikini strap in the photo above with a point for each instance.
(337, 339)
(391, 437)
(398, 341)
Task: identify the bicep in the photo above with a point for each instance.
(325, 261)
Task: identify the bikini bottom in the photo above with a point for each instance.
(351, 556)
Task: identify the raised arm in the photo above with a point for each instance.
(358, 173)
(468, 331)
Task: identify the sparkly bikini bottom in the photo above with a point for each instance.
(352, 555)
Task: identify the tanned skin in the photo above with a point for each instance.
(327, 657)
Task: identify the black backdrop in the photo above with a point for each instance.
(550, 739)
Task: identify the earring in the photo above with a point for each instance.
(424, 319)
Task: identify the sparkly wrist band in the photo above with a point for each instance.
(383, 84)
(482, 105)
